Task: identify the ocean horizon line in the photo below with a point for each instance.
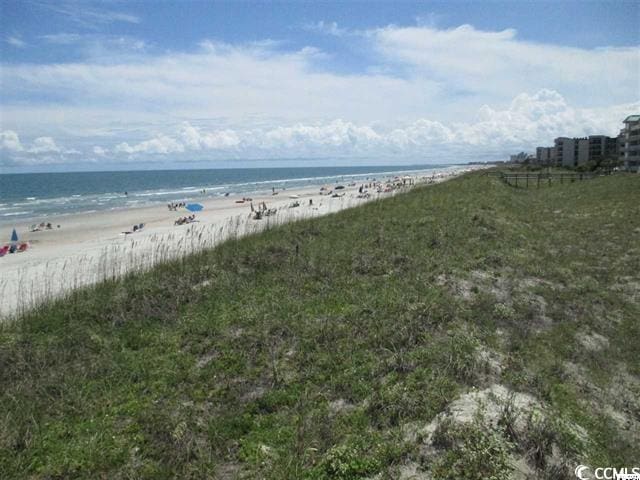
(173, 168)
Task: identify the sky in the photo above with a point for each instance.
(88, 85)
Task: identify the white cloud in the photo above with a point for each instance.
(99, 151)
(336, 134)
(10, 141)
(222, 80)
(98, 48)
(62, 38)
(90, 17)
(423, 87)
(537, 119)
(495, 63)
(16, 41)
(159, 145)
(421, 133)
(42, 151)
(530, 120)
(193, 138)
(44, 145)
(327, 28)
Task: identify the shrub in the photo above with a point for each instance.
(345, 462)
(476, 453)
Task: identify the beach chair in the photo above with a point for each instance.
(4, 250)
(23, 247)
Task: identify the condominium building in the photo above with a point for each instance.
(521, 157)
(545, 155)
(630, 143)
(601, 147)
(573, 152)
(582, 152)
(566, 151)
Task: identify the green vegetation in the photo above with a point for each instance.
(473, 452)
(314, 350)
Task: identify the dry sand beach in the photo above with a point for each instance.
(91, 247)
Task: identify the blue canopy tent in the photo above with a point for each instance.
(194, 207)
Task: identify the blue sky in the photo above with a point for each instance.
(136, 84)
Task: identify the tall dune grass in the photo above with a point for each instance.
(35, 285)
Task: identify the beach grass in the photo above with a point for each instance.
(322, 348)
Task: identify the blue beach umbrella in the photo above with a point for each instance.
(14, 236)
(194, 207)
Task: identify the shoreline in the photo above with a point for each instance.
(62, 206)
(90, 248)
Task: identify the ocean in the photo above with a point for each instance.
(37, 196)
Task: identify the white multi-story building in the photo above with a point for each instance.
(565, 151)
(519, 158)
(544, 155)
(573, 152)
(582, 151)
(602, 147)
(630, 143)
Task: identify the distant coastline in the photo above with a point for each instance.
(91, 247)
(39, 197)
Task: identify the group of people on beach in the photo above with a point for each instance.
(185, 220)
(261, 210)
(262, 206)
(134, 229)
(13, 248)
(42, 226)
(174, 206)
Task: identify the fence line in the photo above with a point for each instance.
(526, 180)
